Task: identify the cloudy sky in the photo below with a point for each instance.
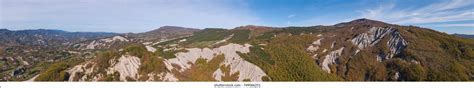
(451, 16)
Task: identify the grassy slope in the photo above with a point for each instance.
(443, 56)
(285, 59)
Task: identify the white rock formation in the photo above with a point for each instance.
(312, 48)
(127, 66)
(396, 44)
(333, 44)
(356, 52)
(82, 68)
(92, 45)
(396, 76)
(182, 40)
(119, 38)
(149, 48)
(372, 37)
(331, 59)
(317, 42)
(106, 42)
(319, 35)
(147, 43)
(218, 74)
(246, 69)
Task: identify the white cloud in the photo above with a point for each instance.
(291, 16)
(124, 15)
(452, 10)
(455, 25)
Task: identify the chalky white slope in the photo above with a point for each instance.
(246, 69)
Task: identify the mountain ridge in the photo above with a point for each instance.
(358, 50)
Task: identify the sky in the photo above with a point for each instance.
(123, 16)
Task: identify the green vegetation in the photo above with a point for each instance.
(57, 71)
(150, 62)
(240, 36)
(201, 70)
(169, 53)
(2, 63)
(266, 36)
(284, 59)
(229, 76)
(257, 56)
(136, 50)
(363, 66)
(206, 37)
(429, 56)
(102, 60)
(443, 57)
(209, 34)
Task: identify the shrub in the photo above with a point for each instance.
(209, 34)
(290, 61)
(55, 72)
(240, 36)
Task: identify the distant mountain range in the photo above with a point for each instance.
(46, 36)
(359, 50)
(464, 35)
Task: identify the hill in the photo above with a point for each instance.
(359, 50)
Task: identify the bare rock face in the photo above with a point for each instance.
(362, 41)
(396, 42)
(83, 69)
(127, 66)
(331, 59)
(315, 46)
(317, 42)
(372, 37)
(312, 48)
(151, 49)
(246, 69)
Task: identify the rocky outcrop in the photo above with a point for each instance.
(127, 66)
(246, 70)
(151, 49)
(315, 45)
(396, 43)
(317, 42)
(372, 37)
(82, 69)
(331, 59)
